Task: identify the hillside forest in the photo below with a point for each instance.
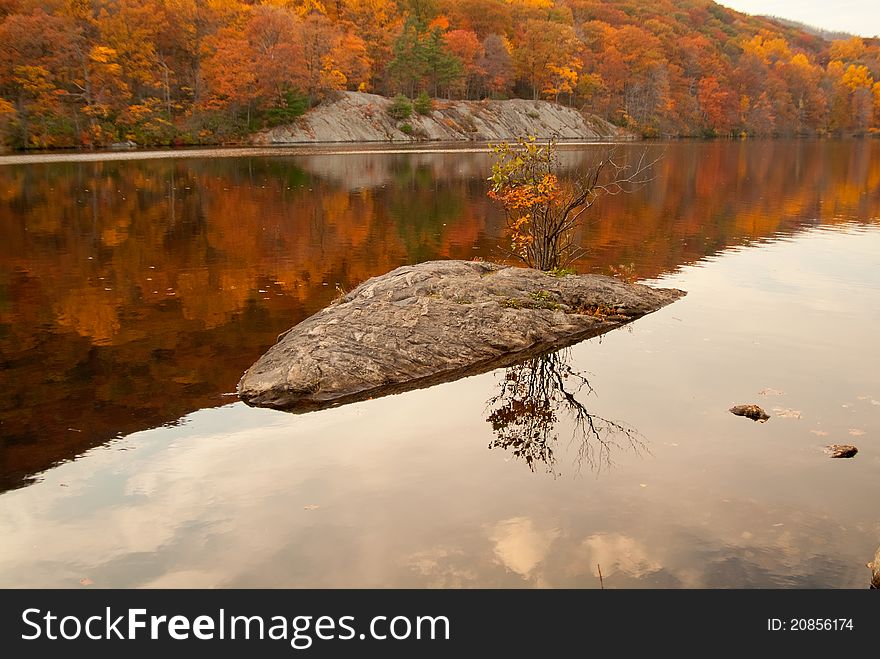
(95, 72)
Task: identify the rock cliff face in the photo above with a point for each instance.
(434, 322)
(357, 117)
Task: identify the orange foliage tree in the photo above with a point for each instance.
(542, 49)
(542, 214)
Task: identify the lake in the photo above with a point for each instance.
(134, 293)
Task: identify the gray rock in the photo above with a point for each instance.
(434, 322)
(753, 412)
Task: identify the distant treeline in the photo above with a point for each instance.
(94, 72)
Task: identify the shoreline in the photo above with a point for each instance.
(344, 148)
(293, 149)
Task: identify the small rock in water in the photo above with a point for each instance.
(752, 412)
(842, 450)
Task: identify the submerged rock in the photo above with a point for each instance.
(423, 324)
(842, 450)
(752, 412)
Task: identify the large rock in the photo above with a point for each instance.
(433, 322)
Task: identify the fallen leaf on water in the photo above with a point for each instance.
(85, 582)
(770, 392)
(311, 506)
(643, 485)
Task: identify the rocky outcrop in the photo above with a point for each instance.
(358, 117)
(433, 322)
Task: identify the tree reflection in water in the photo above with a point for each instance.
(534, 395)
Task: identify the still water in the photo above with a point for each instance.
(133, 294)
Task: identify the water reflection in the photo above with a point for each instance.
(135, 292)
(525, 416)
(400, 491)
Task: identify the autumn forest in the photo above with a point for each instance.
(95, 72)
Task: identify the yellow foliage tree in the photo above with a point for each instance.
(561, 80)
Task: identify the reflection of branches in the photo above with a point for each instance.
(526, 412)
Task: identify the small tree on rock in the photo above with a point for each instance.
(542, 212)
(400, 108)
(423, 104)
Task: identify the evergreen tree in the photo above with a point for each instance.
(441, 66)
